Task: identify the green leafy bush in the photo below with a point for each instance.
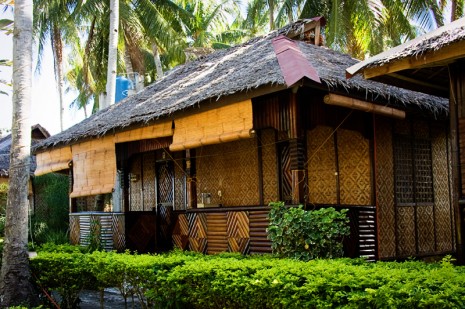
(51, 216)
(3, 199)
(306, 235)
(179, 280)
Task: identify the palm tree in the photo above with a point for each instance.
(15, 285)
(112, 54)
(52, 21)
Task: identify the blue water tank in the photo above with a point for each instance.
(122, 86)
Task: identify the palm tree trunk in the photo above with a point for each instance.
(112, 53)
(15, 285)
(57, 47)
(271, 12)
(156, 58)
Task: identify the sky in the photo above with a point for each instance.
(45, 103)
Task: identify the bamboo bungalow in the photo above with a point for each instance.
(193, 159)
(38, 133)
(433, 63)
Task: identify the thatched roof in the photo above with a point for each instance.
(238, 70)
(431, 41)
(38, 133)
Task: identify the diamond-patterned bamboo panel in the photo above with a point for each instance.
(119, 237)
(269, 163)
(141, 231)
(165, 182)
(231, 168)
(197, 232)
(149, 194)
(179, 186)
(406, 231)
(259, 242)
(165, 226)
(216, 233)
(135, 187)
(181, 232)
(238, 232)
(322, 166)
(286, 174)
(354, 168)
(425, 225)
(443, 209)
(74, 229)
(384, 171)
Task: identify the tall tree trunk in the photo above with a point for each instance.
(156, 59)
(57, 47)
(271, 12)
(112, 53)
(15, 284)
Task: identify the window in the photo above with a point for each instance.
(413, 170)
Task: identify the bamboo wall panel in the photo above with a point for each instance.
(165, 217)
(354, 168)
(94, 167)
(217, 232)
(141, 231)
(197, 232)
(148, 181)
(321, 166)
(135, 187)
(179, 186)
(165, 182)
(384, 171)
(406, 227)
(223, 124)
(74, 230)
(119, 232)
(53, 160)
(259, 243)
(181, 232)
(269, 166)
(238, 232)
(426, 226)
(162, 129)
(443, 210)
(231, 168)
(461, 129)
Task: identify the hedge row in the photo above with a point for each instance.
(187, 280)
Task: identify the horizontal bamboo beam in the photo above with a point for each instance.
(343, 101)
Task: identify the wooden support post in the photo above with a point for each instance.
(456, 107)
(191, 185)
(297, 150)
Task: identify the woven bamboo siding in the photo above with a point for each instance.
(53, 160)
(224, 124)
(135, 187)
(74, 230)
(238, 232)
(259, 242)
(354, 168)
(197, 232)
(322, 166)
(154, 131)
(231, 168)
(179, 186)
(442, 211)
(269, 166)
(384, 171)
(148, 181)
(181, 232)
(461, 129)
(94, 167)
(217, 232)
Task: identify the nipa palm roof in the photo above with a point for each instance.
(237, 70)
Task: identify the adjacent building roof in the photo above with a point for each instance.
(38, 133)
(420, 63)
(244, 70)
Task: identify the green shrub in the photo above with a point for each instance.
(51, 215)
(306, 235)
(3, 199)
(191, 280)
